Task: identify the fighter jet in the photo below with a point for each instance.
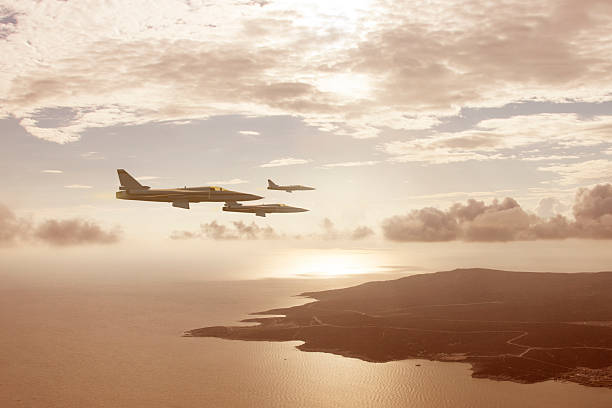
(131, 189)
(262, 209)
(274, 186)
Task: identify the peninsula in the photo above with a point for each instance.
(518, 326)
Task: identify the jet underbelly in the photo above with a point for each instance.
(181, 204)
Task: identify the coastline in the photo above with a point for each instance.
(474, 328)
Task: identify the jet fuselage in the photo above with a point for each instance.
(131, 189)
(295, 187)
(262, 209)
(187, 194)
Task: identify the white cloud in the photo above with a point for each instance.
(425, 151)
(287, 161)
(495, 139)
(52, 171)
(550, 158)
(351, 68)
(249, 133)
(591, 171)
(550, 206)
(462, 194)
(145, 178)
(91, 155)
(228, 182)
(78, 186)
(352, 164)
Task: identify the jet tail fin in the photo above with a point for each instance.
(271, 184)
(128, 182)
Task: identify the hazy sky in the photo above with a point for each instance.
(393, 110)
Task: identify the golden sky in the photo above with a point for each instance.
(420, 123)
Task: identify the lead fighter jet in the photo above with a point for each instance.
(131, 189)
(262, 209)
(273, 186)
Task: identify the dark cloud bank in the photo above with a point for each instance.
(73, 231)
(505, 221)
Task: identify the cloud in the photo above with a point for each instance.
(480, 42)
(582, 172)
(361, 233)
(146, 178)
(428, 224)
(329, 229)
(238, 230)
(352, 164)
(12, 228)
(351, 68)
(78, 186)
(74, 232)
(67, 232)
(461, 194)
(503, 138)
(52, 171)
(8, 22)
(253, 231)
(87, 155)
(330, 232)
(248, 132)
(549, 206)
(288, 161)
(593, 211)
(180, 235)
(550, 158)
(506, 221)
(228, 182)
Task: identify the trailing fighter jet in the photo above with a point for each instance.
(179, 197)
(262, 209)
(274, 186)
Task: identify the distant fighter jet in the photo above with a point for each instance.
(262, 209)
(179, 197)
(274, 186)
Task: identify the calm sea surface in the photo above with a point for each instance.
(102, 345)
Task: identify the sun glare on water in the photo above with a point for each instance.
(322, 265)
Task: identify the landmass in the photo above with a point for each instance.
(517, 326)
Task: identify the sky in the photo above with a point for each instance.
(436, 126)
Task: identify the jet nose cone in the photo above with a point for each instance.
(301, 209)
(252, 197)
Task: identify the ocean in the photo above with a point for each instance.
(119, 345)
